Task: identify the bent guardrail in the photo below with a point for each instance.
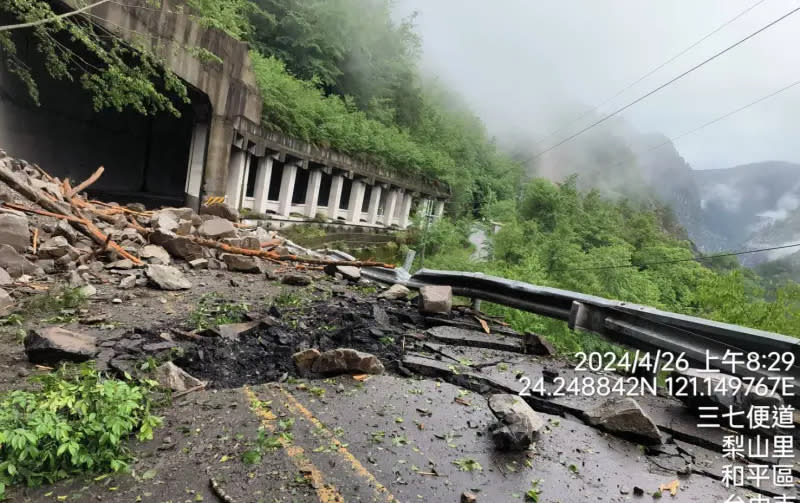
(645, 328)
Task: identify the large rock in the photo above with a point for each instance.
(14, 231)
(242, 263)
(175, 378)
(304, 360)
(217, 228)
(63, 228)
(164, 221)
(220, 210)
(625, 418)
(348, 272)
(51, 345)
(6, 303)
(15, 264)
(57, 247)
(5, 278)
(395, 292)
(338, 361)
(177, 246)
(155, 254)
(518, 424)
(435, 299)
(167, 277)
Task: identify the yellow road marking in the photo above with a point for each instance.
(295, 406)
(327, 493)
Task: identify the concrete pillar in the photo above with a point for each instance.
(215, 178)
(312, 192)
(374, 204)
(236, 172)
(335, 197)
(438, 210)
(389, 207)
(287, 189)
(356, 201)
(263, 177)
(197, 161)
(405, 211)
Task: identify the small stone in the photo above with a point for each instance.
(51, 345)
(395, 292)
(5, 278)
(468, 497)
(116, 300)
(199, 263)
(435, 299)
(537, 345)
(296, 279)
(6, 303)
(14, 231)
(163, 221)
(120, 264)
(87, 290)
(128, 282)
(234, 331)
(638, 491)
(304, 360)
(156, 347)
(57, 247)
(348, 272)
(74, 279)
(167, 277)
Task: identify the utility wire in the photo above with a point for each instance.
(651, 72)
(662, 86)
(676, 261)
(51, 19)
(705, 125)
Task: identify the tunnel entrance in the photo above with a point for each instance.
(145, 157)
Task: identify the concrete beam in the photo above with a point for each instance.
(312, 192)
(263, 177)
(287, 189)
(374, 204)
(356, 202)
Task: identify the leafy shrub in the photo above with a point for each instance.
(76, 423)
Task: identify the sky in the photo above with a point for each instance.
(530, 67)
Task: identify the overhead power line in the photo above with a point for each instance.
(51, 19)
(565, 125)
(671, 81)
(677, 261)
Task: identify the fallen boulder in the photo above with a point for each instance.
(217, 228)
(338, 361)
(220, 210)
(175, 378)
(518, 424)
(242, 263)
(51, 345)
(435, 299)
(155, 254)
(625, 418)
(57, 247)
(304, 360)
(15, 264)
(164, 221)
(177, 246)
(5, 278)
(63, 228)
(167, 277)
(14, 231)
(348, 272)
(395, 292)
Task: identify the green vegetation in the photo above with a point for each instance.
(558, 236)
(212, 310)
(76, 422)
